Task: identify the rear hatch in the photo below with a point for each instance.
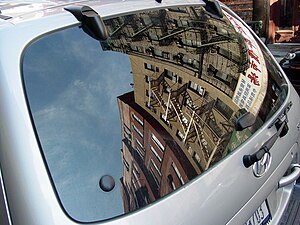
(174, 106)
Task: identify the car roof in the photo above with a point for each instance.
(17, 8)
(20, 10)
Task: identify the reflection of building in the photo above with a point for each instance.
(185, 66)
(208, 48)
(187, 110)
(193, 75)
(154, 164)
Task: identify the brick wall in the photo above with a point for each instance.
(241, 7)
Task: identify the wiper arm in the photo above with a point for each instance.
(282, 129)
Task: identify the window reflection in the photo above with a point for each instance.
(157, 164)
(194, 75)
(177, 78)
(185, 69)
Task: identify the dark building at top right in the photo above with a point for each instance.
(276, 20)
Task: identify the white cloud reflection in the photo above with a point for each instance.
(72, 92)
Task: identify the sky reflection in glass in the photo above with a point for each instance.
(72, 88)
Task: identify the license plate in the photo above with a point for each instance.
(261, 216)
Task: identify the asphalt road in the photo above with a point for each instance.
(280, 50)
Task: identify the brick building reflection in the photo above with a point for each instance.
(179, 120)
(153, 163)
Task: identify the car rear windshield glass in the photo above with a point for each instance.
(123, 122)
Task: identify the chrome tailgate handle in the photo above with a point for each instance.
(293, 176)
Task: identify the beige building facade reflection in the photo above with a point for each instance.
(185, 67)
(188, 68)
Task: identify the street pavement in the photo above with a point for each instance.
(279, 50)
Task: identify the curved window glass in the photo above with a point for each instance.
(126, 121)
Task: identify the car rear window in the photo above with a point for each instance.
(126, 121)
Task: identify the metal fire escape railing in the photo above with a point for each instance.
(196, 121)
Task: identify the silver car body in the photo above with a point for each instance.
(228, 193)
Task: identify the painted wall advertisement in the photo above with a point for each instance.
(252, 86)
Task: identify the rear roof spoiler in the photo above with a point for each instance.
(91, 22)
(211, 6)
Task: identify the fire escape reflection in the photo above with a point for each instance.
(198, 123)
(179, 120)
